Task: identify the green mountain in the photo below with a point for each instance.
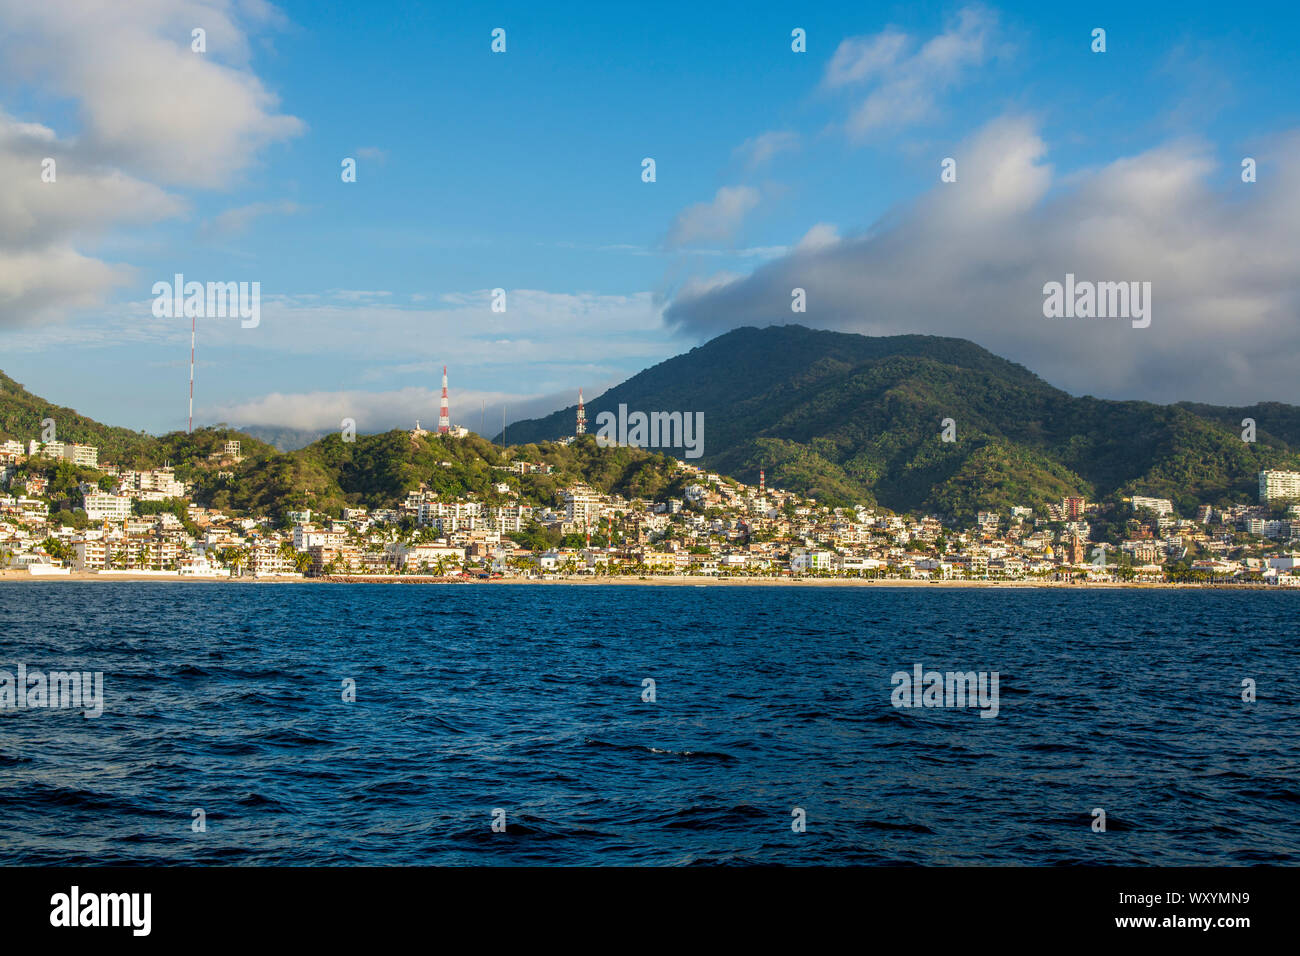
(22, 415)
(843, 418)
(374, 471)
(377, 471)
(851, 418)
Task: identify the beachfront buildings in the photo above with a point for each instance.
(702, 524)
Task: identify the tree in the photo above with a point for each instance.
(57, 550)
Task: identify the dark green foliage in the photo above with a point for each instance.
(842, 418)
(848, 417)
(21, 414)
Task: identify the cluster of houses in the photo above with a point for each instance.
(718, 527)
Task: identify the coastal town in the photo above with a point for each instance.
(145, 523)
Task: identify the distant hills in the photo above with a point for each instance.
(851, 417)
(844, 418)
(284, 438)
(374, 471)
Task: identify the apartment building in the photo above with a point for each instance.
(1161, 506)
(581, 506)
(1279, 484)
(105, 507)
(91, 554)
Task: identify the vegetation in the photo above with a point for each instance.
(836, 417)
(853, 418)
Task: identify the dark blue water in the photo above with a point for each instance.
(528, 698)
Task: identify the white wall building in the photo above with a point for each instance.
(105, 507)
(1279, 484)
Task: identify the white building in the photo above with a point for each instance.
(801, 559)
(450, 515)
(1279, 484)
(105, 507)
(87, 455)
(581, 506)
(50, 449)
(1161, 506)
(90, 554)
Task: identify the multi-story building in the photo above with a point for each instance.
(1279, 484)
(581, 506)
(90, 554)
(450, 515)
(413, 557)
(266, 560)
(87, 455)
(511, 518)
(1074, 507)
(106, 507)
(307, 536)
(801, 560)
(48, 449)
(1161, 506)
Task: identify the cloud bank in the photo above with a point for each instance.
(970, 259)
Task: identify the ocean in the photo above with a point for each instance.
(772, 736)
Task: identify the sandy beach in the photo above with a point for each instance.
(648, 580)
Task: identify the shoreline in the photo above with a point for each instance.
(635, 580)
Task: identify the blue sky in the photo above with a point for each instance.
(522, 171)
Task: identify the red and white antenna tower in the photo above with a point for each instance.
(444, 415)
(762, 484)
(582, 416)
(189, 429)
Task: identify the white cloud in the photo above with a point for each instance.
(819, 237)
(717, 220)
(232, 222)
(149, 109)
(479, 411)
(759, 150)
(544, 342)
(906, 80)
(41, 272)
(145, 100)
(970, 259)
(858, 59)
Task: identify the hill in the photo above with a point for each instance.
(374, 471)
(378, 471)
(285, 438)
(848, 417)
(21, 415)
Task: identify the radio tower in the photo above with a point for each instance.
(189, 429)
(582, 416)
(762, 484)
(444, 415)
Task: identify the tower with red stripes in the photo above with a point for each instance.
(582, 416)
(444, 413)
(762, 484)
